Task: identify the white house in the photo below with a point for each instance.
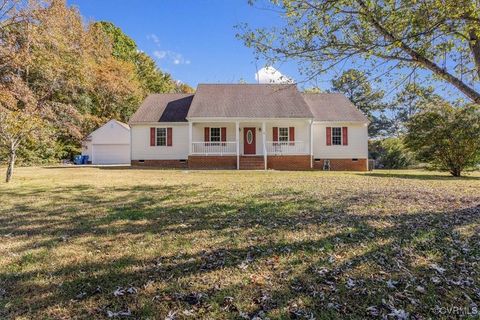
(249, 126)
(109, 144)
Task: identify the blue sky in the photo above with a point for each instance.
(192, 40)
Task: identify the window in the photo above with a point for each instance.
(161, 138)
(337, 136)
(283, 135)
(249, 137)
(215, 135)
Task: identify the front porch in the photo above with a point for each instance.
(249, 145)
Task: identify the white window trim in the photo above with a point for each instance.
(288, 134)
(341, 137)
(156, 137)
(210, 134)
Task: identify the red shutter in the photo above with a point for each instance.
(345, 136)
(275, 134)
(223, 134)
(329, 136)
(291, 135)
(152, 137)
(206, 134)
(169, 137)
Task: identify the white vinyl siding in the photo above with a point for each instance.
(141, 149)
(110, 144)
(357, 141)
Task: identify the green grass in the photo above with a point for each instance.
(233, 245)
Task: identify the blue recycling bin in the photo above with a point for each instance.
(78, 159)
(84, 159)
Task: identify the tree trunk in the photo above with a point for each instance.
(11, 163)
(456, 172)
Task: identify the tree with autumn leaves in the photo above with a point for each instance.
(61, 78)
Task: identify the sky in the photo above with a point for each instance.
(192, 40)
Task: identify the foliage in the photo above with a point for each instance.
(183, 88)
(116, 93)
(446, 136)
(409, 102)
(439, 36)
(391, 153)
(16, 128)
(74, 76)
(313, 90)
(152, 79)
(355, 86)
(123, 47)
(234, 245)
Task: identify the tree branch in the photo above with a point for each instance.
(419, 58)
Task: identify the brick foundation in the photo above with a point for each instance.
(301, 162)
(212, 162)
(168, 164)
(294, 163)
(343, 165)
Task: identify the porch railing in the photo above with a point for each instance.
(286, 147)
(220, 148)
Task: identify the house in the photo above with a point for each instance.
(249, 126)
(109, 144)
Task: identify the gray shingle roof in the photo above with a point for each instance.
(333, 107)
(165, 107)
(248, 101)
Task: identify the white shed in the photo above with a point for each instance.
(109, 144)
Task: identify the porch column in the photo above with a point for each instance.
(237, 139)
(311, 144)
(264, 139)
(190, 133)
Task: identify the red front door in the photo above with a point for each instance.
(249, 141)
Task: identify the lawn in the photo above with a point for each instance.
(151, 244)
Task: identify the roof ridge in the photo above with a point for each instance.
(123, 124)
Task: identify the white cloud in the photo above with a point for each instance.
(159, 54)
(271, 75)
(154, 38)
(174, 57)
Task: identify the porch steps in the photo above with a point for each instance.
(251, 163)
